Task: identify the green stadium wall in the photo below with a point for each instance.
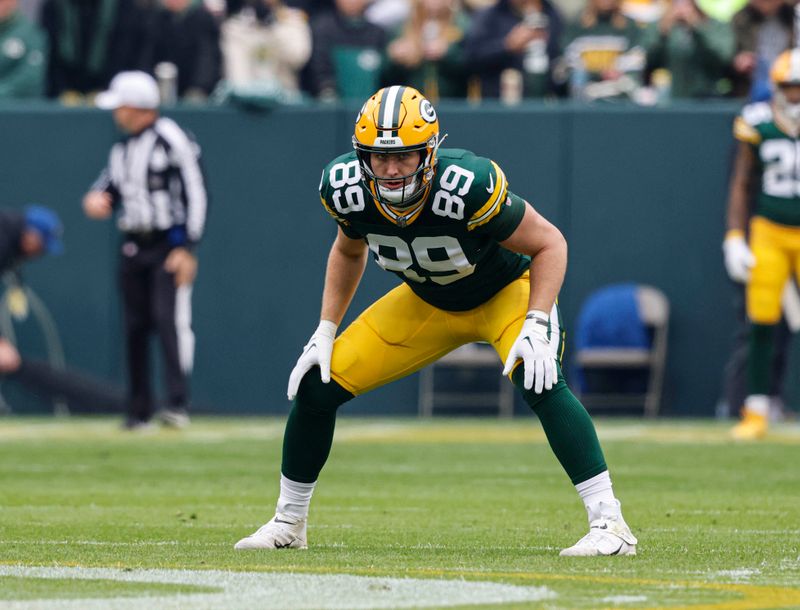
(639, 193)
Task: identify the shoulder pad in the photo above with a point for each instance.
(757, 114)
(746, 126)
(340, 174)
(478, 183)
(491, 197)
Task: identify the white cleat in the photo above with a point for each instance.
(608, 535)
(282, 532)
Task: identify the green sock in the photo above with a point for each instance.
(568, 428)
(759, 358)
(309, 429)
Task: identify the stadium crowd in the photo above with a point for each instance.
(267, 51)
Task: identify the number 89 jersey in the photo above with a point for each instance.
(778, 162)
(446, 247)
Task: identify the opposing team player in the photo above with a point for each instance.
(768, 147)
(477, 263)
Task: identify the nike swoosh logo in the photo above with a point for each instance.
(490, 188)
(282, 521)
(617, 551)
(278, 545)
(600, 527)
(528, 339)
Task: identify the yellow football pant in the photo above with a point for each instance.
(777, 252)
(400, 334)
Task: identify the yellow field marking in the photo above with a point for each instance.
(754, 597)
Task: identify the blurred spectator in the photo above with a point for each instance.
(31, 9)
(695, 49)
(721, 10)
(762, 31)
(428, 53)
(82, 56)
(389, 14)
(514, 37)
(22, 52)
(185, 35)
(347, 53)
(265, 46)
(25, 236)
(601, 46)
(644, 11)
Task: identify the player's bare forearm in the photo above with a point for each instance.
(739, 197)
(346, 263)
(544, 243)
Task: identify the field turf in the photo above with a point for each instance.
(408, 513)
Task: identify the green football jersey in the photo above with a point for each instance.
(446, 249)
(778, 158)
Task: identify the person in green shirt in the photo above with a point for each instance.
(476, 263)
(696, 49)
(22, 54)
(428, 53)
(602, 46)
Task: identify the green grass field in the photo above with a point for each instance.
(460, 513)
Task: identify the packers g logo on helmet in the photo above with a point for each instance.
(397, 119)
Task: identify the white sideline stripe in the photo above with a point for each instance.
(277, 591)
(225, 545)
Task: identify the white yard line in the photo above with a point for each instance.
(247, 590)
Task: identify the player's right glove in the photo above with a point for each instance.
(739, 258)
(317, 351)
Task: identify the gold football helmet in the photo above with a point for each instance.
(786, 71)
(397, 119)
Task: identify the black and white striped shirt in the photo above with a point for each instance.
(156, 182)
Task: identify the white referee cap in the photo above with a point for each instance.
(135, 89)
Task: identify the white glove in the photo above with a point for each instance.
(533, 348)
(738, 257)
(318, 350)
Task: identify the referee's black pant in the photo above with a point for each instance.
(153, 304)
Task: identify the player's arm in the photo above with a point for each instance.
(739, 194)
(738, 257)
(346, 263)
(544, 243)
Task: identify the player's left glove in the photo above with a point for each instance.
(317, 351)
(739, 259)
(533, 348)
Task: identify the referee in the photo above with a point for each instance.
(154, 181)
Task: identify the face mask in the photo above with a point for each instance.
(792, 111)
(398, 195)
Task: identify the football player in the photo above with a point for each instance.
(768, 147)
(477, 263)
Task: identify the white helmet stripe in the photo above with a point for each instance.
(388, 107)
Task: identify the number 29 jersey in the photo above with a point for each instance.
(445, 247)
(778, 163)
